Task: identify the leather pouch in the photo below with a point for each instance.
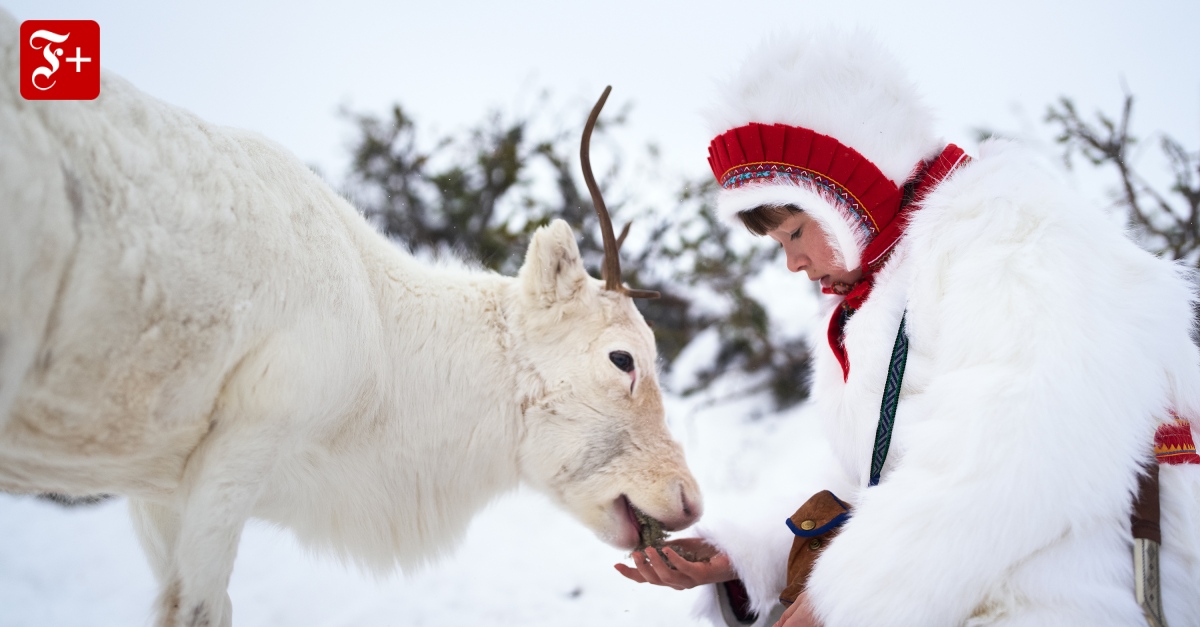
(815, 524)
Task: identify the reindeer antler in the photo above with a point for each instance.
(611, 270)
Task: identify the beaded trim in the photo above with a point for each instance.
(771, 172)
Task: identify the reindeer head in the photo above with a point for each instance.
(596, 439)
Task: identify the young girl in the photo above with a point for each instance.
(998, 368)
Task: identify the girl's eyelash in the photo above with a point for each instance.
(796, 233)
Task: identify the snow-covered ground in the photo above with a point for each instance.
(523, 561)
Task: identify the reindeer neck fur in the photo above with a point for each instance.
(438, 426)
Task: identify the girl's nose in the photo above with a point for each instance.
(795, 262)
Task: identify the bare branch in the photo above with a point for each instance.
(1165, 228)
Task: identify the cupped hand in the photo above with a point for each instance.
(650, 567)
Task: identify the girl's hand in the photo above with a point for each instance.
(650, 567)
(798, 614)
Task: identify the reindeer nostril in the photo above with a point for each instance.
(687, 507)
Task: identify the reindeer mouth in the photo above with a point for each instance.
(650, 530)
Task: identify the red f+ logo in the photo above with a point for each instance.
(60, 59)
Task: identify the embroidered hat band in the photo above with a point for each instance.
(758, 154)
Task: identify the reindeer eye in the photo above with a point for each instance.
(622, 360)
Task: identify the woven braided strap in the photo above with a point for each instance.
(891, 401)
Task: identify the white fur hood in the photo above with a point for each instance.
(1045, 348)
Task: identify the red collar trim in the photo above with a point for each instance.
(926, 176)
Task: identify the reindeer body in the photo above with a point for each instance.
(194, 319)
(306, 312)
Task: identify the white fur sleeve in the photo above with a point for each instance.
(758, 550)
(752, 530)
(1042, 348)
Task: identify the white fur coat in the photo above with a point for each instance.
(1045, 348)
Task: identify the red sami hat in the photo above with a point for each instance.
(778, 154)
(827, 124)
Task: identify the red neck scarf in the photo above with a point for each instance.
(926, 177)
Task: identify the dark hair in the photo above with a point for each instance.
(766, 218)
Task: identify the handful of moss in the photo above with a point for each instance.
(651, 535)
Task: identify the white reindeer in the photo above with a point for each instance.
(192, 318)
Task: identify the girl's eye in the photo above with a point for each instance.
(796, 233)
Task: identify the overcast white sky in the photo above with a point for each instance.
(284, 67)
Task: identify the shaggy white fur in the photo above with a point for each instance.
(756, 539)
(842, 85)
(846, 87)
(1045, 348)
(192, 318)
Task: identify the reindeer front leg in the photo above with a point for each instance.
(157, 527)
(222, 482)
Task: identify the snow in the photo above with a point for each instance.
(523, 562)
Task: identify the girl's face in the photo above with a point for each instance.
(807, 249)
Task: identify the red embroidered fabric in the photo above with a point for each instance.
(774, 153)
(927, 176)
(1173, 443)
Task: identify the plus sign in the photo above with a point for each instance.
(77, 59)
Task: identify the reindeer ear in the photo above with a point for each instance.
(553, 271)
